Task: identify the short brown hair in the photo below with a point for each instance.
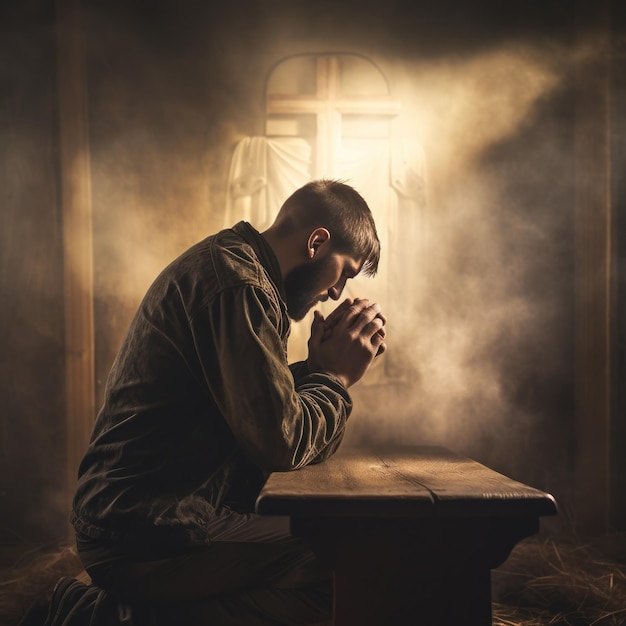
(338, 207)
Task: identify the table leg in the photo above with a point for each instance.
(399, 571)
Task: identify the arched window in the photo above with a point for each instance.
(330, 115)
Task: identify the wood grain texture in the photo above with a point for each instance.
(75, 176)
(413, 481)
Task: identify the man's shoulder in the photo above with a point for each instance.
(228, 258)
(235, 260)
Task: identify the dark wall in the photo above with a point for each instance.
(618, 190)
(32, 443)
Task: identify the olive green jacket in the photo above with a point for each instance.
(201, 403)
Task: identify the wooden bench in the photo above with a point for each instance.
(412, 533)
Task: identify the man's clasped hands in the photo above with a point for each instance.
(347, 341)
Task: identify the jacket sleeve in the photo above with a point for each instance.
(280, 422)
(300, 370)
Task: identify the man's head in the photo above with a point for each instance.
(323, 235)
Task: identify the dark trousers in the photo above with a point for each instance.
(252, 573)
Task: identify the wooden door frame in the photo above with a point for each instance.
(75, 177)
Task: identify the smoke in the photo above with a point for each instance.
(482, 338)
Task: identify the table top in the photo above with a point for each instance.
(407, 481)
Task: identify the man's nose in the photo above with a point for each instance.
(335, 291)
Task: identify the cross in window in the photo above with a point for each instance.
(328, 104)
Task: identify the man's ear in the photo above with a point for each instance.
(317, 239)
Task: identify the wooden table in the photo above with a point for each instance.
(411, 532)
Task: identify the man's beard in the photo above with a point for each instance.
(302, 288)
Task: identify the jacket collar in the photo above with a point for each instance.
(264, 252)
